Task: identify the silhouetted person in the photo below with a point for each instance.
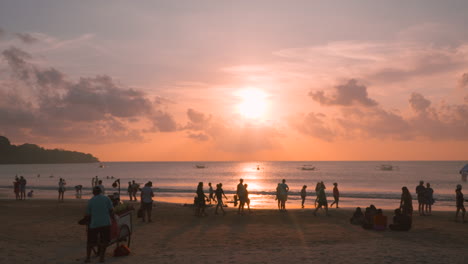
(429, 197)
(380, 221)
(100, 185)
(211, 193)
(247, 199)
(30, 194)
(401, 222)
(22, 187)
(219, 193)
(78, 191)
(201, 204)
(406, 203)
(241, 194)
(61, 189)
(100, 211)
(321, 199)
(283, 194)
(303, 195)
(358, 217)
(420, 191)
(135, 187)
(336, 195)
(16, 188)
(278, 196)
(130, 191)
(317, 188)
(460, 203)
(146, 198)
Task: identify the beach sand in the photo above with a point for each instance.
(45, 231)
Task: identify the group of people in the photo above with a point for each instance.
(132, 190)
(425, 198)
(374, 219)
(19, 188)
(214, 195)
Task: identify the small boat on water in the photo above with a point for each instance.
(200, 166)
(308, 167)
(386, 167)
(101, 166)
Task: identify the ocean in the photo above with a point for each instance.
(361, 183)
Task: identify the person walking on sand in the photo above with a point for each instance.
(406, 202)
(303, 195)
(321, 199)
(241, 192)
(460, 205)
(61, 189)
(336, 195)
(100, 212)
(429, 197)
(277, 198)
(135, 187)
(420, 191)
(317, 188)
(211, 193)
(219, 193)
(146, 199)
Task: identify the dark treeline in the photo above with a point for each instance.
(34, 154)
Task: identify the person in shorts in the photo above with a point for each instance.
(146, 198)
(219, 192)
(100, 211)
(460, 205)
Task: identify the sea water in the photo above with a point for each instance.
(360, 183)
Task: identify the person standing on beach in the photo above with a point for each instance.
(130, 191)
(429, 197)
(16, 188)
(100, 211)
(94, 181)
(22, 188)
(303, 194)
(278, 196)
(247, 199)
(219, 198)
(406, 202)
(321, 199)
(61, 189)
(201, 203)
(317, 188)
(460, 205)
(147, 200)
(420, 191)
(283, 194)
(241, 192)
(135, 187)
(100, 185)
(336, 195)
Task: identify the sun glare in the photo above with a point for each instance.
(253, 103)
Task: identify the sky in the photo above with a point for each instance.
(237, 80)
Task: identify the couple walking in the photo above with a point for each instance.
(282, 195)
(243, 195)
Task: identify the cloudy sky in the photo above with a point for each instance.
(237, 80)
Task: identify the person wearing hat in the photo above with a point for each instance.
(147, 200)
(460, 201)
(100, 211)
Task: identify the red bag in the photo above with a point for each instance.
(114, 232)
(121, 251)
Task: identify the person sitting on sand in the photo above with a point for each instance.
(219, 192)
(429, 197)
(201, 204)
(147, 200)
(406, 203)
(303, 195)
(100, 211)
(30, 194)
(358, 217)
(380, 221)
(369, 214)
(460, 205)
(241, 192)
(321, 199)
(401, 222)
(336, 195)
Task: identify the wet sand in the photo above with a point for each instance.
(45, 231)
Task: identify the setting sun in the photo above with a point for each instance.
(253, 103)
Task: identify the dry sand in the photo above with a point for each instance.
(45, 231)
